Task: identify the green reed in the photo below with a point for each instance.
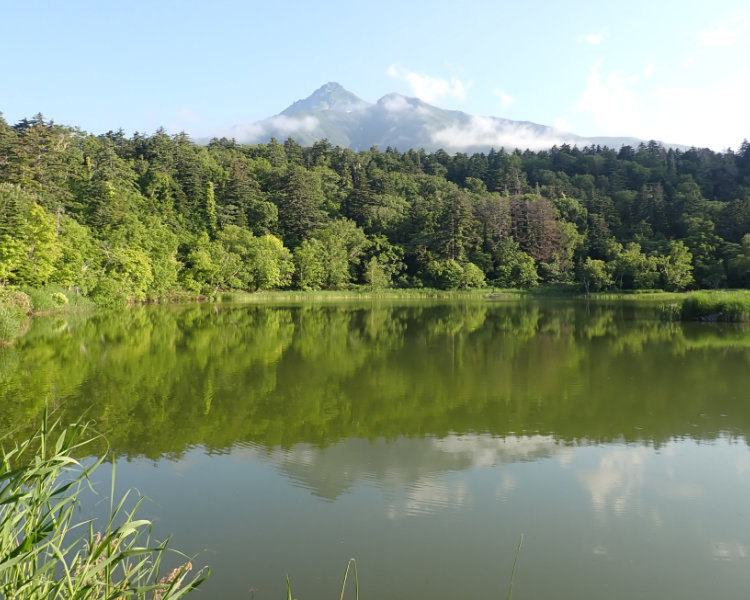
(352, 561)
(46, 553)
(717, 305)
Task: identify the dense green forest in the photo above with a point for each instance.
(139, 218)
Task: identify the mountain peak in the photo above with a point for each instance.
(331, 96)
(332, 112)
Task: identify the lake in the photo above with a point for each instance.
(423, 439)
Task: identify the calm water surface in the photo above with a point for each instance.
(422, 439)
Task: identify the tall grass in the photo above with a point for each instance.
(10, 324)
(733, 306)
(53, 298)
(45, 553)
(363, 293)
(14, 310)
(513, 570)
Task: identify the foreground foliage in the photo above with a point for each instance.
(46, 554)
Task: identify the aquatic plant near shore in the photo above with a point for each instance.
(732, 306)
(46, 554)
(14, 309)
(352, 561)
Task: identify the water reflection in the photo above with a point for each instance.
(409, 472)
(158, 380)
(615, 484)
(450, 511)
(422, 439)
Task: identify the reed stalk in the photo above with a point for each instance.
(47, 554)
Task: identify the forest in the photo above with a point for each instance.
(138, 218)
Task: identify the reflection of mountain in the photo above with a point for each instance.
(405, 465)
(157, 380)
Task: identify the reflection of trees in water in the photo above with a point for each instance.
(157, 380)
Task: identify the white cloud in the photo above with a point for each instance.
(595, 38)
(281, 125)
(562, 124)
(648, 69)
(612, 100)
(486, 131)
(505, 99)
(248, 133)
(431, 89)
(396, 103)
(717, 37)
(712, 116)
(286, 124)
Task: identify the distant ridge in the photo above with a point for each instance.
(334, 113)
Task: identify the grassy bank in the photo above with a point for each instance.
(702, 305)
(715, 305)
(720, 305)
(17, 306)
(360, 293)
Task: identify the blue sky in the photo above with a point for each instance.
(678, 71)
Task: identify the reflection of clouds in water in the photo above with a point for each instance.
(677, 490)
(728, 550)
(743, 469)
(429, 495)
(618, 484)
(615, 482)
(600, 551)
(488, 451)
(507, 485)
(411, 472)
(656, 518)
(565, 456)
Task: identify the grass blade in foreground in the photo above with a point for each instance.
(513, 570)
(46, 554)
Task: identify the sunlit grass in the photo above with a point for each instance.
(361, 293)
(56, 298)
(724, 305)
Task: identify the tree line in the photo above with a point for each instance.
(140, 217)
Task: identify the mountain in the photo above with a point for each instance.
(331, 96)
(331, 112)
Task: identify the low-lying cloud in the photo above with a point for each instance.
(280, 125)
(486, 131)
(396, 103)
